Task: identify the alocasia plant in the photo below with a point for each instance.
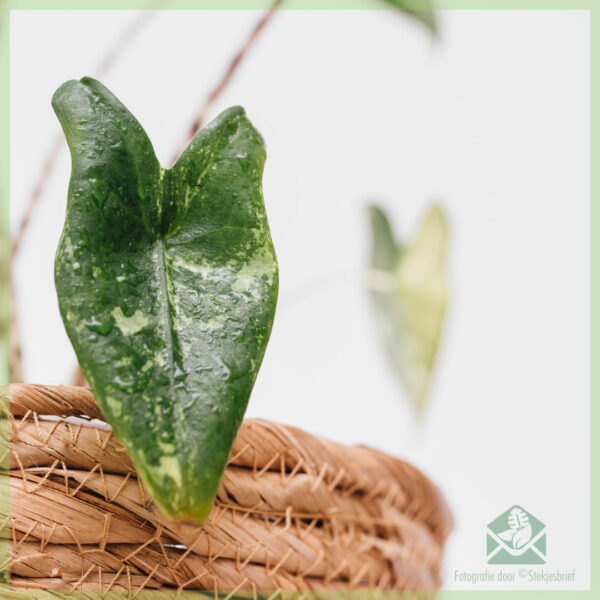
(409, 292)
(167, 284)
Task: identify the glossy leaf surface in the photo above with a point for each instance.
(167, 284)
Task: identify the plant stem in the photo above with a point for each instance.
(15, 359)
(107, 62)
(226, 79)
(17, 238)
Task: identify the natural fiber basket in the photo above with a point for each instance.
(294, 511)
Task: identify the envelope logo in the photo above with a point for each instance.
(516, 537)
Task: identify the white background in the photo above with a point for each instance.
(492, 121)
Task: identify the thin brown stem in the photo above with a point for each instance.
(77, 377)
(226, 78)
(15, 358)
(127, 36)
(17, 238)
(107, 62)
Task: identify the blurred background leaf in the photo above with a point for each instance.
(409, 294)
(422, 10)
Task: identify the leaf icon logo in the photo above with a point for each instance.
(516, 537)
(520, 528)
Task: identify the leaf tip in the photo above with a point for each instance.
(377, 217)
(72, 88)
(229, 115)
(69, 95)
(436, 210)
(62, 92)
(428, 18)
(435, 225)
(195, 515)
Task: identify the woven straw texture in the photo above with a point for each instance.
(294, 511)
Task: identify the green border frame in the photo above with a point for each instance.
(4, 205)
(593, 6)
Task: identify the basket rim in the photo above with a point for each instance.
(278, 477)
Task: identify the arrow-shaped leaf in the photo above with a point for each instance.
(409, 292)
(167, 284)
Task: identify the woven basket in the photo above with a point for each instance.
(294, 511)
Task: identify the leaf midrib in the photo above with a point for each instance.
(169, 330)
(166, 311)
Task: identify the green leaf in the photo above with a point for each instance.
(409, 293)
(167, 284)
(422, 10)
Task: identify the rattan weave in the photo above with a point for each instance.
(294, 511)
